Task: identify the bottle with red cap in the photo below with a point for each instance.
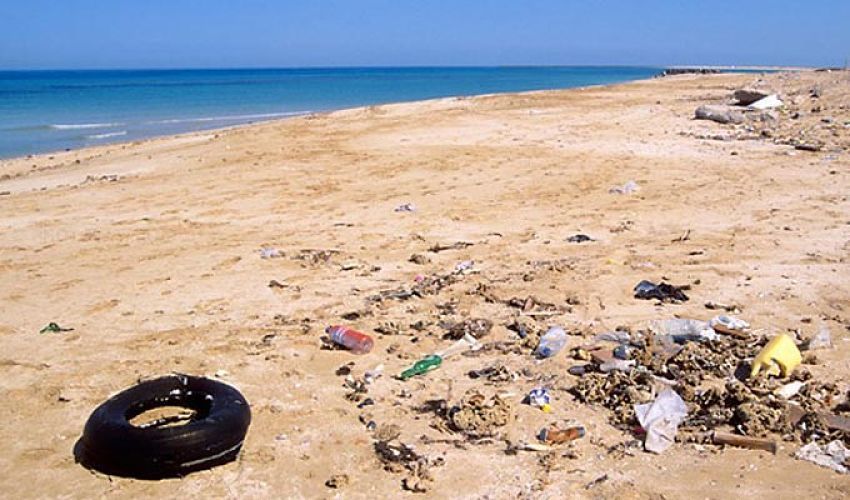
(351, 339)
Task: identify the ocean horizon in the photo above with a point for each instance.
(43, 111)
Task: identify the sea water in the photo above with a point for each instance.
(43, 111)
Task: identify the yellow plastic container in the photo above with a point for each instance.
(778, 358)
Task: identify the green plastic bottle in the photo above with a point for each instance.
(426, 364)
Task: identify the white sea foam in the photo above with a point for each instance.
(227, 118)
(75, 126)
(107, 135)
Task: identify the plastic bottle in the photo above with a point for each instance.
(426, 364)
(551, 343)
(356, 342)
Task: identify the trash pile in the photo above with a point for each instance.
(677, 380)
(811, 117)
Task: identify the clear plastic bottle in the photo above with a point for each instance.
(551, 343)
(356, 342)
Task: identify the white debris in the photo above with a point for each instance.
(270, 253)
(660, 419)
(769, 102)
(726, 324)
(373, 374)
(615, 364)
(627, 188)
(464, 266)
(683, 330)
(788, 391)
(833, 456)
(821, 340)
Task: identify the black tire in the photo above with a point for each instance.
(112, 445)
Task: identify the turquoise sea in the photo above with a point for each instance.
(43, 111)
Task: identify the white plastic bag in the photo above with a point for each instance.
(660, 419)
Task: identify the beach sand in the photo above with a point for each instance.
(150, 251)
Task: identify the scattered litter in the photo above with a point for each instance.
(617, 336)
(789, 390)
(579, 238)
(622, 352)
(627, 188)
(551, 342)
(464, 266)
(660, 419)
(821, 340)
(778, 358)
(553, 434)
(468, 343)
(356, 342)
(371, 375)
(834, 455)
(539, 397)
(726, 439)
(662, 291)
(424, 365)
(729, 325)
(524, 446)
(54, 328)
(615, 364)
(407, 207)
(270, 253)
(684, 330)
(769, 102)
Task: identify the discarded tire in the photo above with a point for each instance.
(112, 445)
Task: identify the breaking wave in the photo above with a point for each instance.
(107, 135)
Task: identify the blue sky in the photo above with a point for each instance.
(264, 33)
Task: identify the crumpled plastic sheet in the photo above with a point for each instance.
(821, 340)
(684, 330)
(728, 322)
(833, 455)
(660, 419)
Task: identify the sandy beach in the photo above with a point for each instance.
(151, 252)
